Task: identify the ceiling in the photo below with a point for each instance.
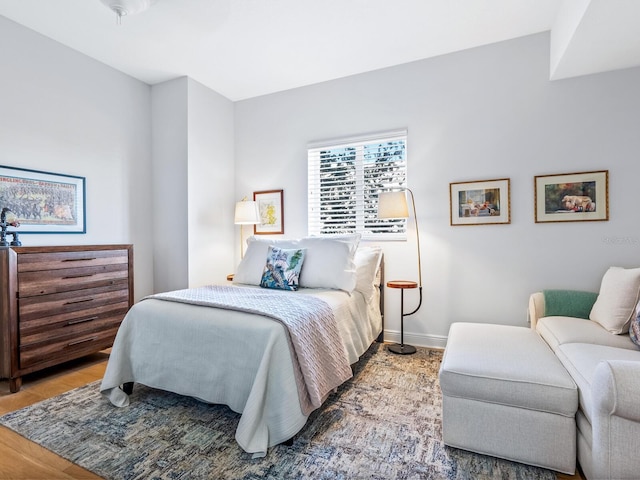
(246, 48)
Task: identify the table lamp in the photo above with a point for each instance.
(246, 214)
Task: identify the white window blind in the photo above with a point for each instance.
(345, 178)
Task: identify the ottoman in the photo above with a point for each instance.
(505, 394)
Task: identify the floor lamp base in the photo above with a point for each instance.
(401, 349)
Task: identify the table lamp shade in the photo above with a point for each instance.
(246, 213)
(393, 205)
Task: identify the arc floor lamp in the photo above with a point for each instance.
(394, 205)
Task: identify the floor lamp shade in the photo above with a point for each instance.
(393, 205)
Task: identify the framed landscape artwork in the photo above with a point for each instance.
(482, 202)
(44, 202)
(270, 208)
(572, 197)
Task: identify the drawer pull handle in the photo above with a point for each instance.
(81, 320)
(78, 259)
(78, 342)
(71, 302)
(78, 276)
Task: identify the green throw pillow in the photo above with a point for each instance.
(568, 303)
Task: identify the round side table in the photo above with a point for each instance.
(401, 348)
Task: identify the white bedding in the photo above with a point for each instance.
(229, 357)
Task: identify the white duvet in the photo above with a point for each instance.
(222, 356)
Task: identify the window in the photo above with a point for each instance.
(345, 178)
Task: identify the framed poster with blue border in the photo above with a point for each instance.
(44, 202)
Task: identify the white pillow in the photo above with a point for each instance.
(367, 260)
(616, 304)
(250, 269)
(329, 262)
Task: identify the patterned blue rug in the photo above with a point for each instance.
(383, 424)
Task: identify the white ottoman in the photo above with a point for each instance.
(506, 394)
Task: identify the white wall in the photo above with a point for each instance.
(484, 113)
(192, 185)
(170, 155)
(63, 112)
(211, 197)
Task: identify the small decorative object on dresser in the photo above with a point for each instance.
(60, 303)
(8, 219)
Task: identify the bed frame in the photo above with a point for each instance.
(380, 276)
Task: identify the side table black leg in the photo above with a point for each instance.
(402, 349)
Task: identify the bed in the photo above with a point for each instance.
(246, 358)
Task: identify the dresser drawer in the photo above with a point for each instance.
(43, 309)
(71, 330)
(61, 349)
(35, 262)
(61, 324)
(66, 279)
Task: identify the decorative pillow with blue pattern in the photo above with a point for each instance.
(634, 328)
(283, 267)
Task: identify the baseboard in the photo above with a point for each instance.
(416, 339)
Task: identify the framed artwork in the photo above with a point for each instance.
(270, 207)
(44, 202)
(572, 197)
(481, 202)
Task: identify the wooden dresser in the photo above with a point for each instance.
(60, 303)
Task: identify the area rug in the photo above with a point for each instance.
(385, 423)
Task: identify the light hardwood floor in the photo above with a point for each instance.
(21, 459)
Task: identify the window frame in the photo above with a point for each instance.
(361, 218)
